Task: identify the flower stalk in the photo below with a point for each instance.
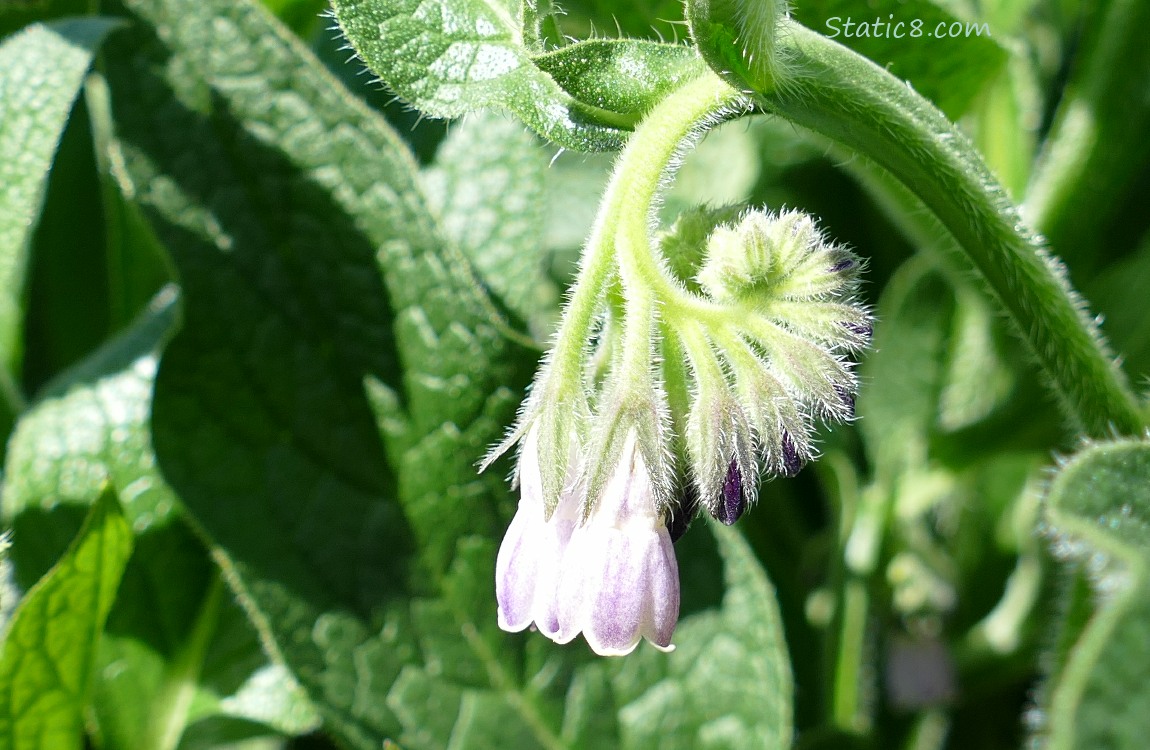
(619, 449)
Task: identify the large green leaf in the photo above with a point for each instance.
(49, 648)
(1098, 510)
(174, 657)
(451, 57)
(41, 69)
(260, 416)
(484, 186)
(728, 682)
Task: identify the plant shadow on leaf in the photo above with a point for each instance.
(260, 419)
(226, 415)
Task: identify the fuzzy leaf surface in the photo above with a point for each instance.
(1098, 508)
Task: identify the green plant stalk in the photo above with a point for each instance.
(846, 702)
(622, 227)
(839, 94)
(182, 676)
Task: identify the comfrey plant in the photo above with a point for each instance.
(241, 410)
(666, 393)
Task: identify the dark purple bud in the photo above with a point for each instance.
(862, 330)
(733, 502)
(792, 463)
(843, 265)
(847, 398)
(681, 517)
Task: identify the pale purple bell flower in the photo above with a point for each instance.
(527, 567)
(619, 580)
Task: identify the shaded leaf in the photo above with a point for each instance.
(728, 682)
(260, 418)
(41, 69)
(484, 186)
(172, 656)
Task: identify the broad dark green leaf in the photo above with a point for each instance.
(260, 416)
(367, 566)
(484, 186)
(174, 656)
(49, 647)
(1098, 510)
(41, 69)
(451, 57)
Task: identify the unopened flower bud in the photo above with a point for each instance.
(733, 502)
(785, 257)
(720, 446)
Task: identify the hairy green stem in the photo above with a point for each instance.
(621, 232)
(839, 94)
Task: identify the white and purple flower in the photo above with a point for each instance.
(612, 468)
(611, 575)
(527, 568)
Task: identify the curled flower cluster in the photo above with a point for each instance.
(683, 369)
(778, 359)
(613, 466)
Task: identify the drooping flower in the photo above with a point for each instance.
(619, 581)
(625, 438)
(528, 564)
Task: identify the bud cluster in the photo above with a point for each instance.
(776, 360)
(620, 446)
